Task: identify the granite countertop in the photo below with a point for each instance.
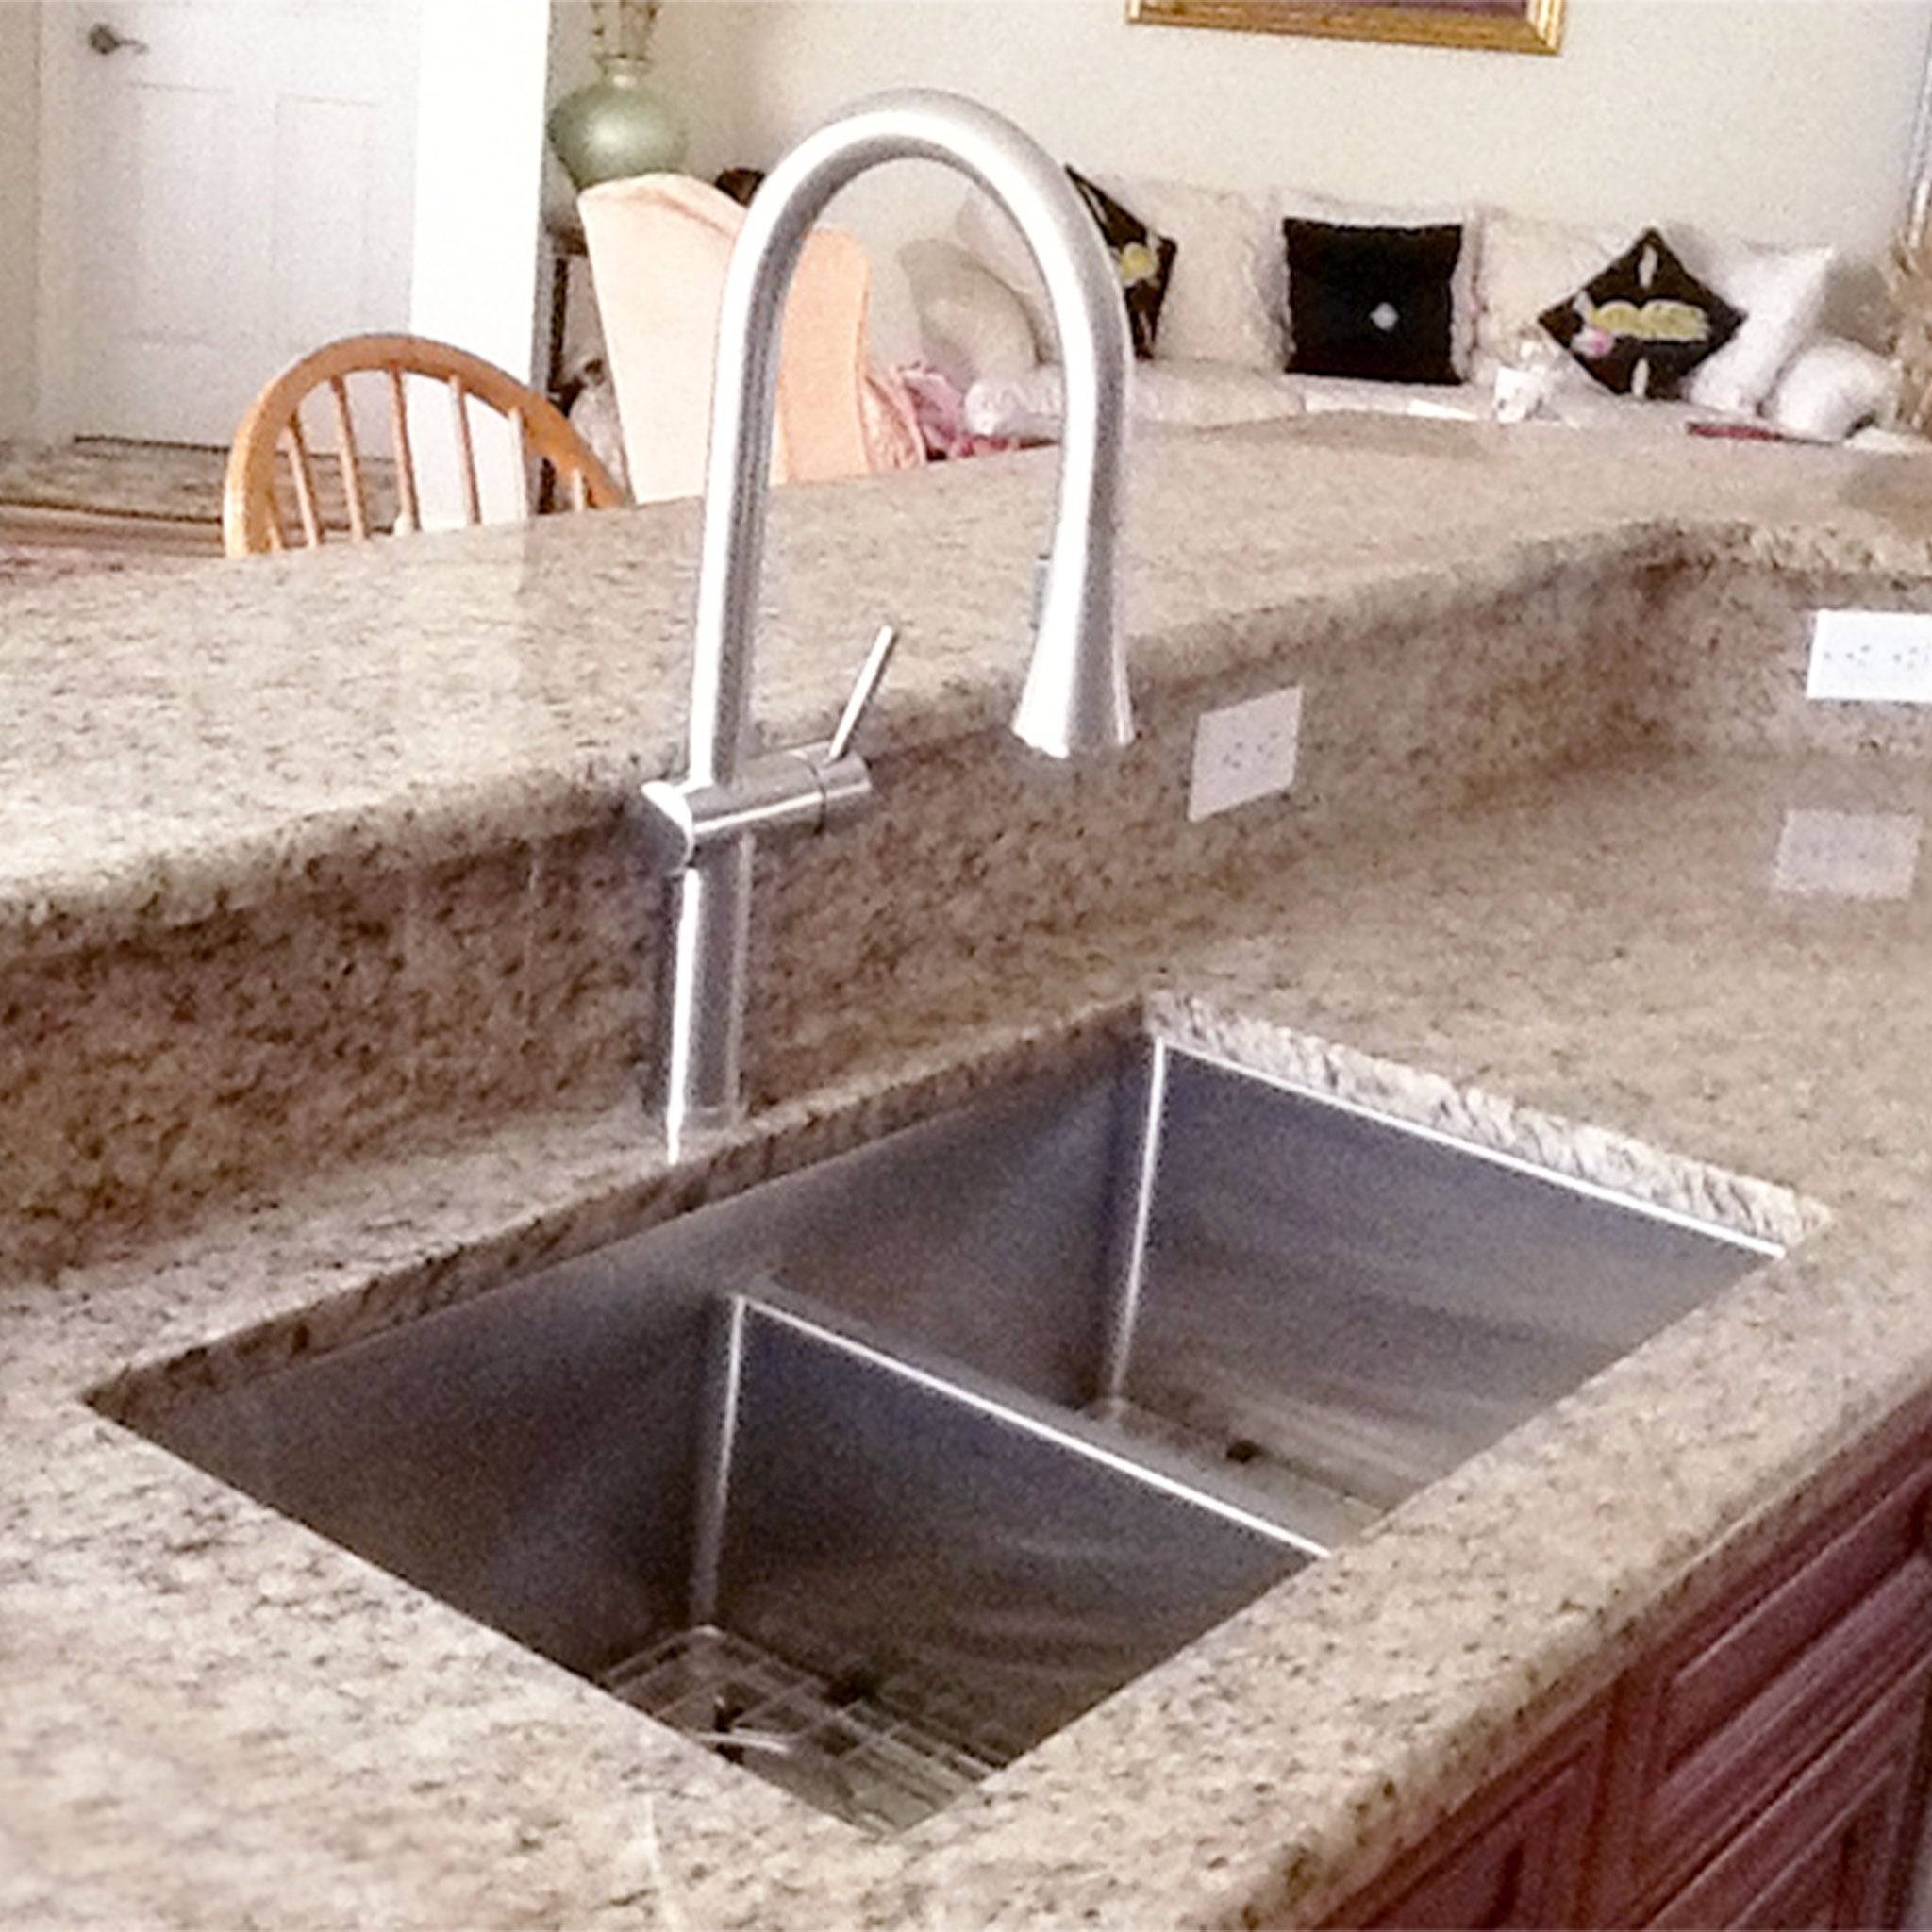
(186, 743)
(212, 1717)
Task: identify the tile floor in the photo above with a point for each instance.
(99, 504)
(80, 508)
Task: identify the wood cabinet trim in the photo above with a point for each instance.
(1833, 1615)
(1540, 1812)
(1861, 1786)
(1812, 1652)
(1786, 1619)
(1816, 1694)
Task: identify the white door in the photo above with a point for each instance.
(235, 187)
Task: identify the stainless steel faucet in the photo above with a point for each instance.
(700, 831)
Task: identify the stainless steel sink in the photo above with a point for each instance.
(1329, 1306)
(875, 1475)
(864, 1581)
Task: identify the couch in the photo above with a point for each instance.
(1223, 342)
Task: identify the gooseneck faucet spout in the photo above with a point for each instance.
(1075, 698)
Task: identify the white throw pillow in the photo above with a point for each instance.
(971, 324)
(987, 233)
(1830, 389)
(1529, 266)
(1225, 299)
(1781, 294)
(1227, 294)
(1304, 205)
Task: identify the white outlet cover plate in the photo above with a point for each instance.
(1244, 752)
(1871, 657)
(1848, 854)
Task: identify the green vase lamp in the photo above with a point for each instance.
(618, 127)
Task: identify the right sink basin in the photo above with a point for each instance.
(873, 1476)
(1330, 1305)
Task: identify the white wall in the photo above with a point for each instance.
(479, 136)
(479, 139)
(1786, 120)
(19, 213)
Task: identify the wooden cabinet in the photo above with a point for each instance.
(1751, 1695)
(1832, 1849)
(1765, 1765)
(1518, 1853)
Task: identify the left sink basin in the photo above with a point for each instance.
(869, 1582)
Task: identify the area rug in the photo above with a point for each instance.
(166, 483)
(120, 479)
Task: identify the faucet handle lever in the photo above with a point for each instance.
(869, 674)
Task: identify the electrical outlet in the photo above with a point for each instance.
(1848, 854)
(1246, 751)
(1871, 657)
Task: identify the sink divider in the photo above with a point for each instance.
(1123, 1305)
(715, 1459)
(1079, 1434)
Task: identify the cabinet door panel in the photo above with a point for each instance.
(1771, 1635)
(1512, 1857)
(1730, 1713)
(1827, 1852)
(1766, 1765)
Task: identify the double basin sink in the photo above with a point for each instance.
(875, 1475)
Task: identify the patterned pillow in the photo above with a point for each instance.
(1374, 303)
(1643, 323)
(1142, 259)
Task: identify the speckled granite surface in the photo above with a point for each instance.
(212, 1717)
(352, 860)
(180, 745)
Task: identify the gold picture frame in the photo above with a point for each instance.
(1518, 26)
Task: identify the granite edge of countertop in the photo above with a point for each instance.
(177, 868)
(1542, 1602)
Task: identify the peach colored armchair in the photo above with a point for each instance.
(659, 245)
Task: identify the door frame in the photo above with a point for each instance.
(57, 404)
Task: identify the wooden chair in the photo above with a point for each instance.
(255, 512)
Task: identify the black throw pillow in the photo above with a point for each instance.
(741, 184)
(1143, 260)
(1370, 302)
(1643, 323)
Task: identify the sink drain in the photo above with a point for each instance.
(881, 1754)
